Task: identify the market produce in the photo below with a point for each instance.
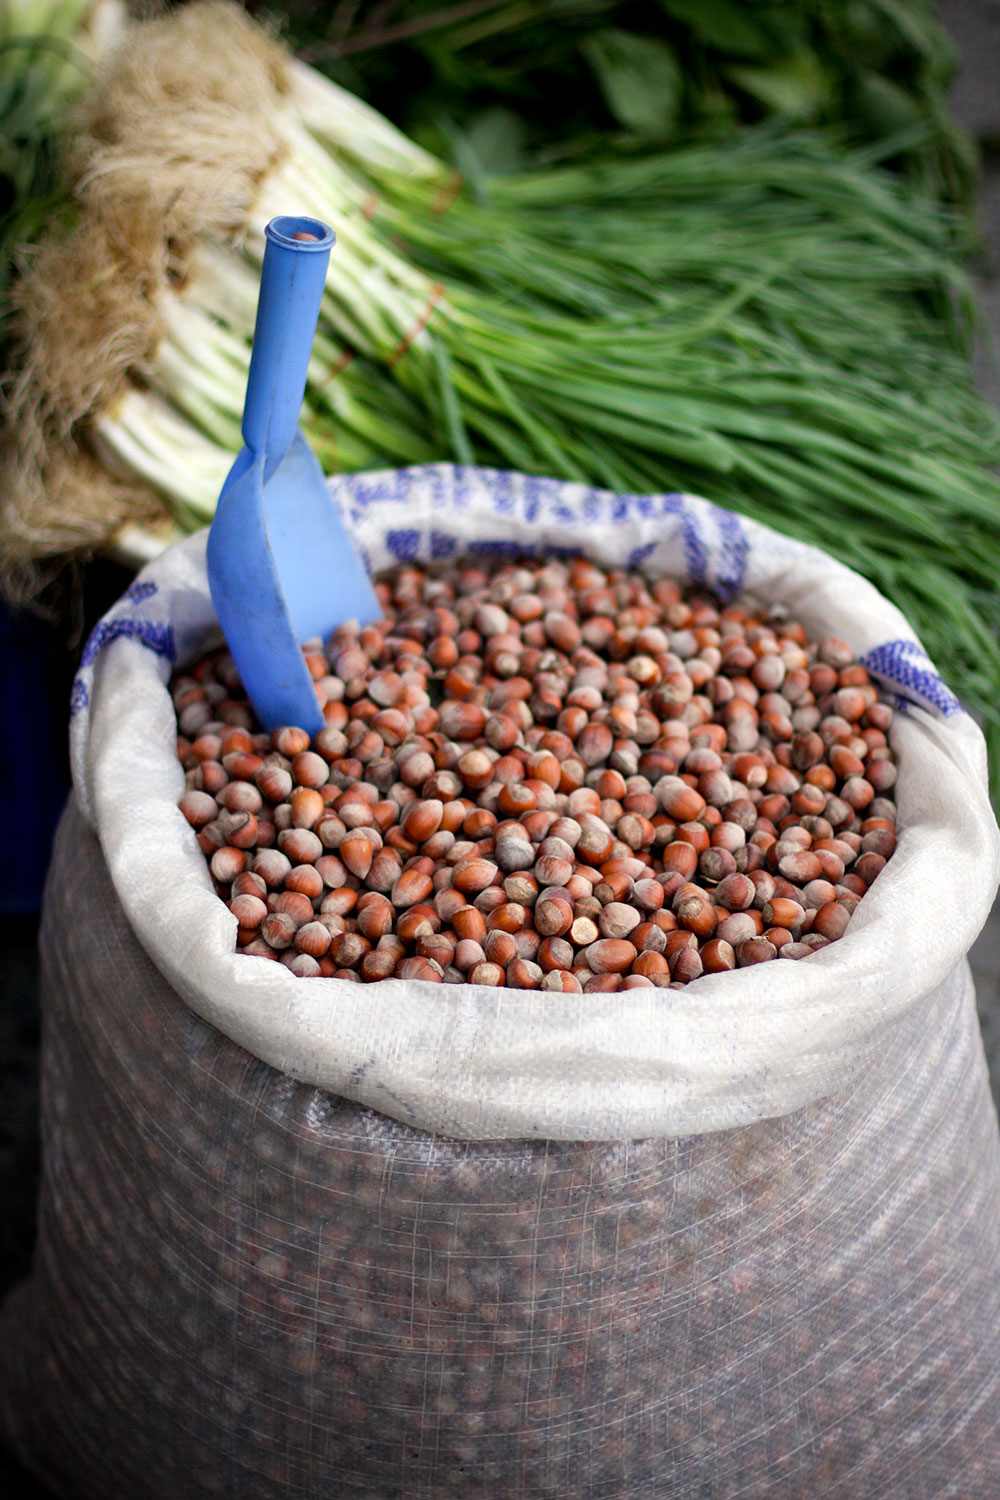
(771, 323)
(547, 776)
(500, 80)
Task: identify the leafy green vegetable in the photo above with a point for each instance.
(732, 28)
(574, 70)
(640, 79)
(796, 86)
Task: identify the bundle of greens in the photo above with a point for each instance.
(520, 78)
(775, 324)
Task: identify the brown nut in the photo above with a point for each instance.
(783, 912)
(754, 951)
(487, 973)
(412, 887)
(831, 920)
(617, 920)
(473, 875)
(610, 955)
(468, 922)
(523, 974)
(561, 980)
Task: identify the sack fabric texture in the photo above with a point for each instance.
(302, 1238)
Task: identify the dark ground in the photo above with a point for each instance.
(975, 26)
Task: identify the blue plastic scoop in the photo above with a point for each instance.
(281, 567)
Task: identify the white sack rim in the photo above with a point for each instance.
(483, 1063)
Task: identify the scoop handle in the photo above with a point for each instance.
(291, 289)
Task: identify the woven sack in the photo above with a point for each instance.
(311, 1239)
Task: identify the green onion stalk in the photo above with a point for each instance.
(776, 323)
(47, 52)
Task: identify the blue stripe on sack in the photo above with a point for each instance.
(155, 635)
(499, 547)
(906, 665)
(731, 571)
(404, 484)
(534, 493)
(364, 494)
(503, 494)
(432, 477)
(639, 554)
(453, 487)
(459, 488)
(403, 544)
(138, 593)
(79, 697)
(695, 553)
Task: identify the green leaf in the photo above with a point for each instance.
(797, 86)
(861, 37)
(919, 32)
(725, 25)
(640, 79)
(883, 105)
(497, 139)
(713, 107)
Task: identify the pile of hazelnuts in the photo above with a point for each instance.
(546, 775)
